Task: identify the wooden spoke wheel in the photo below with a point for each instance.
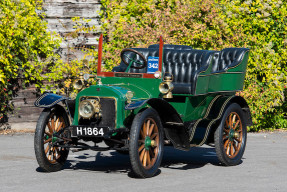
(146, 143)
(49, 157)
(230, 136)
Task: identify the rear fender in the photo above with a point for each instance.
(246, 111)
(217, 112)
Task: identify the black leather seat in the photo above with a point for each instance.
(227, 58)
(184, 65)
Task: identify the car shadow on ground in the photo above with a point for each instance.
(114, 162)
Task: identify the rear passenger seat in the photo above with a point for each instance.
(227, 58)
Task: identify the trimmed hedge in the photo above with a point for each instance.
(25, 48)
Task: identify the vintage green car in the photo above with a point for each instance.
(160, 95)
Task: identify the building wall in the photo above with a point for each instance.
(58, 14)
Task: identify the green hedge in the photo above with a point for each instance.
(212, 24)
(25, 48)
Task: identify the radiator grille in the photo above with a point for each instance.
(108, 110)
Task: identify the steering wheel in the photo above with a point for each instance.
(131, 61)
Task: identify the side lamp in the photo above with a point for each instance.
(166, 87)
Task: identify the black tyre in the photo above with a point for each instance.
(146, 143)
(50, 158)
(231, 136)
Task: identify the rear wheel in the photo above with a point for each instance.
(231, 135)
(146, 143)
(50, 158)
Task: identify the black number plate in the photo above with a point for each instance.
(88, 131)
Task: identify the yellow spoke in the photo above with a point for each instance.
(56, 124)
(48, 140)
(151, 129)
(59, 127)
(50, 128)
(231, 149)
(148, 158)
(47, 149)
(233, 119)
(47, 133)
(144, 129)
(230, 121)
(53, 124)
(142, 134)
(141, 148)
(142, 155)
(226, 143)
(145, 159)
(148, 124)
(153, 136)
(237, 122)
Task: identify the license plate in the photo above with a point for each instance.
(88, 131)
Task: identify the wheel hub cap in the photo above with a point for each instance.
(147, 142)
(231, 134)
(54, 139)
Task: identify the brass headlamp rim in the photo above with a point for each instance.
(95, 103)
(93, 109)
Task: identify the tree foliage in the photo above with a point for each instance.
(25, 48)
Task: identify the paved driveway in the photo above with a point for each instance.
(264, 168)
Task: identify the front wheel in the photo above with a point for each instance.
(146, 143)
(49, 157)
(231, 135)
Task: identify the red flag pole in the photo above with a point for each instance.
(160, 53)
(100, 51)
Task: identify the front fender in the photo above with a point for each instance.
(48, 100)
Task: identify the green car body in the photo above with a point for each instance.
(187, 118)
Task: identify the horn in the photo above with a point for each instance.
(79, 84)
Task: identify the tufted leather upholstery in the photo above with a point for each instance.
(184, 65)
(227, 58)
(170, 46)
